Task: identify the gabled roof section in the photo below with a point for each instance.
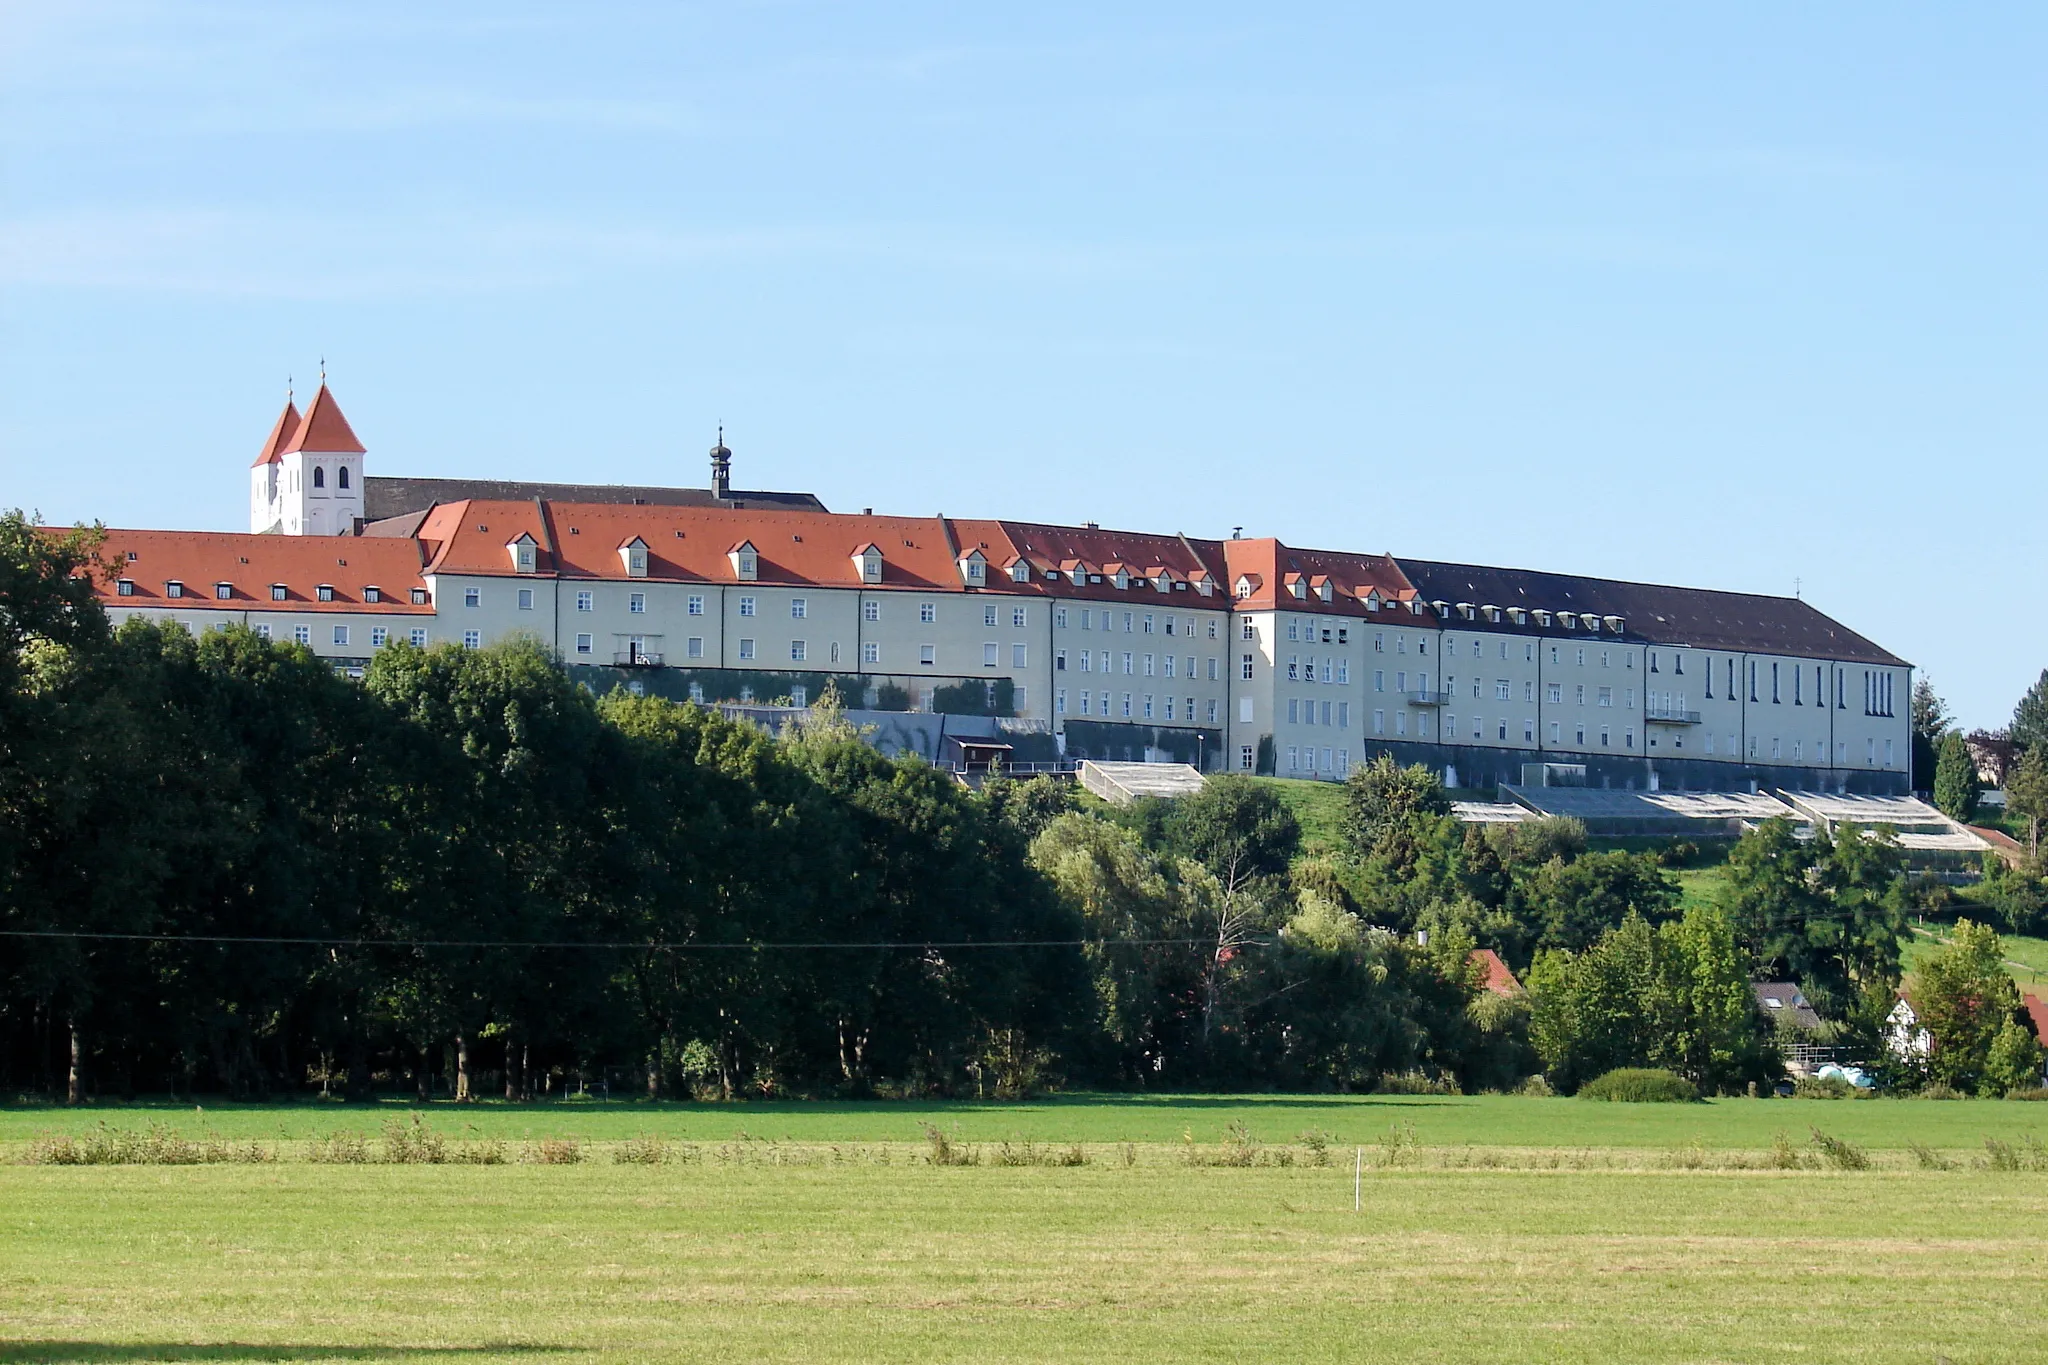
(1652, 613)
(1084, 551)
(324, 431)
(280, 436)
(250, 564)
(1276, 570)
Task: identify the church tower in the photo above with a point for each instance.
(309, 479)
(264, 513)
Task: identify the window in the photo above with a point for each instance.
(319, 477)
(1212, 630)
(1292, 762)
(1244, 710)
(1343, 715)
(378, 635)
(1059, 618)
(1293, 711)
(472, 639)
(870, 610)
(746, 606)
(925, 655)
(988, 616)
(223, 591)
(1128, 658)
(277, 590)
(870, 652)
(746, 649)
(798, 608)
(1017, 617)
(1379, 680)
(1379, 722)
(1127, 706)
(1059, 701)
(1379, 643)
(419, 638)
(1166, 665)
(1245, 668)
(1606, 696)
(1400, 722)
(1059, 661)
(696, 604)
(1248, 631)
(1244, 757)
(302, 635)
(988, 655)
(586, 601)
(1084, 702)
(341, 477)
(1529, 731)
(1148, 623)
(797, 651)
(693, 647)
(526, 599)
(584, 643)
(1776, 699)
(1148, 706)
(1017, 656)
(1401, 680)
(1554, 693)
(1553, 732)
(1501, 688)
(1128, 619)
(341, 635)
(263, 630)
(472, 597)
(927, 613)
(1212, 668)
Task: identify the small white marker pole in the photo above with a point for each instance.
(1357, 1179)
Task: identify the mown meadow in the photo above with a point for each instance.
(1485, 1229)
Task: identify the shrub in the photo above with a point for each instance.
(2028, 1092)
(1823, 1088)
(1415, 1083)
(556, 1151)
(2025, 1155)
(413, 1143)
(645, 1150)
(1784, 1156)
(1927, 1159)
(340, 1149)
(941, 1151)
(1843, 1156)
(1641, 1085)
(1941, 1090)
(1536, 1087)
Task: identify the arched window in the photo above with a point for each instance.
(341, 477)
(319, 477)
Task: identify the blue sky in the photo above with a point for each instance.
(1739, 299)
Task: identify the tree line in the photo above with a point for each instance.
(224, 868)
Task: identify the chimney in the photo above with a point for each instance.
(721, 469)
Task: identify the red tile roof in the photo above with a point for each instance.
(251, 564)
(1271, 565)
(1497, 978)
(2038, 1012)
(280, 435)
(324, 430)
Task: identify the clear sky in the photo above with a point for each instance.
(1746, 298)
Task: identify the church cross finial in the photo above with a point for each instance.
(323, 370)
(287, 388)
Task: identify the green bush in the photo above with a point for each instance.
(1824, 1088)
(1641, 1085)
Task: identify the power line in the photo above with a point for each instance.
(920, 945)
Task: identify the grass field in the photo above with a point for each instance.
(1348, 1120)
(914, 1263)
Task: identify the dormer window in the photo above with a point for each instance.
(277, 592)
(1543, 619)
(974, 567)
(1468, 611)
(325, 592)
(1244, 589)
(1326, 592)
(1517, 615)
(419, 597)
(525, 553)
(373, 594)
(1020, 572)
(125, 588)
(1568, 619)
(1163, 580)
(633, 555)
(1123, 578)
(223, 591)
(1613, 624)
(867, 562)
(746, 561)
(173, 588)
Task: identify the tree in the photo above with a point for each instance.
(1964, 999)
(1575, 902)
(2014, 1060)
(2030, 717)
(1592, 1011)
(1384, 804)
(1237, 828)
(1708, 1016)
(1824, 912)
(1930, 721)
(1956, 787)
(2026, 795)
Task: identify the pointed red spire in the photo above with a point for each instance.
(324, 430)
(280, 435)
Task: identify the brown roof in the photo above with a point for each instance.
(324, 429)
(251, 564)
(384, 496)
(280, 435)
(1497, 978)
(2038, 1012)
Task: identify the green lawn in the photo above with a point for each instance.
(1168, 1263)
(1438, 1121)
(2026, 959)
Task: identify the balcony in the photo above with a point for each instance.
(1428, 698)
(637, 658)
(1659, 715)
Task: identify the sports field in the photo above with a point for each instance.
(1490, 1229)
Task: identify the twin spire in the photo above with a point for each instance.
(322, 430)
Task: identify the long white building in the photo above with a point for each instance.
(1246, 654)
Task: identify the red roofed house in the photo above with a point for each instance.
(1496, 976)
